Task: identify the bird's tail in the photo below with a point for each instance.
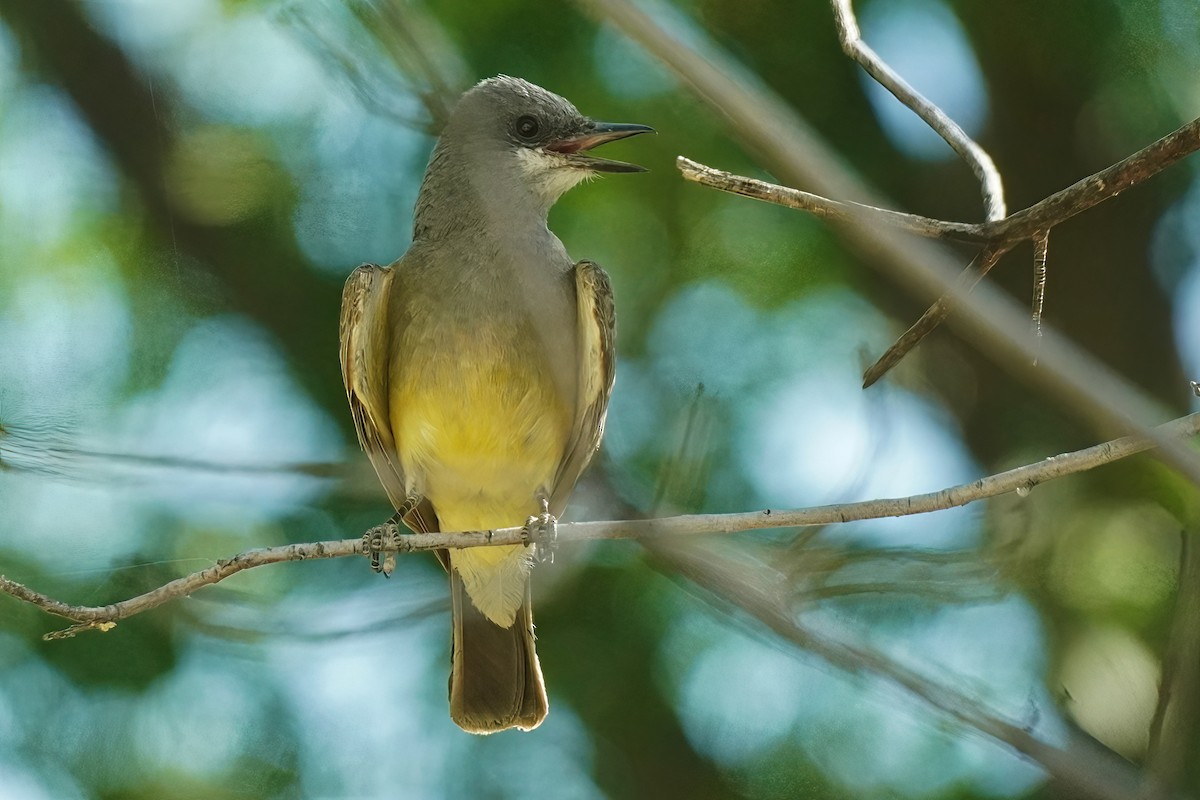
(495, 678)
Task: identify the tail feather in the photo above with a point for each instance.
(495, 679)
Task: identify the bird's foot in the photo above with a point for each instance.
(541, 531)
(374, 540)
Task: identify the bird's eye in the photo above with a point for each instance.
(527, 127)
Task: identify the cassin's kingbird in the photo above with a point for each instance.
(479, 367)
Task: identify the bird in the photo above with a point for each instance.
(479, 366)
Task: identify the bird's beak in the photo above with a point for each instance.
(598, 133)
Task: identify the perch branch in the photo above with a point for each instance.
(1020, 479)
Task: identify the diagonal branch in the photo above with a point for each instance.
(1032, 223)
(1020, 480)
(989, 319)
(935, 314)
(1093, 773)
(976, 157)
(1103, 185)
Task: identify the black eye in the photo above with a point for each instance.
(527, 127)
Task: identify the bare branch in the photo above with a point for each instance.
(104, 617)
(1020, 479)
(1056, 208)
(976, 157)
(1105, 184)
(1001, 236)
(935, 314)
(987, 317)
(1022, 225)
(828, 209)
(1066, 203)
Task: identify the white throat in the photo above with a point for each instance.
(550, 174)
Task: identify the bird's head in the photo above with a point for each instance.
(512, 123)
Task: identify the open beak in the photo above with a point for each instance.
(574, 148)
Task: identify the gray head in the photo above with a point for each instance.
(524, 136)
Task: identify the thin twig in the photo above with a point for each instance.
(935, 314)
(1017, 227)
(976, 157)
(1019, 479)
(1029, 223)
(988, 318)
(102, 617)
(1041, 247)
(829, 209)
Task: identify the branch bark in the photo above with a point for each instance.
(1082, 385)
(1019, 226)
(1021, 480)
(825, 208)
(976, 157)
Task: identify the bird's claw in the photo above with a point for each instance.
(374, 540)
(541, 530)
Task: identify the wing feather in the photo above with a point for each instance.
(597, 371)
(365, 331)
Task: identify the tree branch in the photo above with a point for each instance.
(1020, 226)
(103, 618)
(829, 209)
(755, 590)
(976, 157)
(787, 146)
(1021, 480)
(1032, 223)
(935, 314)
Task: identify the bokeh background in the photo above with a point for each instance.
(184, 186)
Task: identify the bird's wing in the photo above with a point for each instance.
(364, 338)
(597, 370)
(365, 332)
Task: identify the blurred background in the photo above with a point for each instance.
(184, 187)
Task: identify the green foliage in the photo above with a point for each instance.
(181, 195)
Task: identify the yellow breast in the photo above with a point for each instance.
(482, 430)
